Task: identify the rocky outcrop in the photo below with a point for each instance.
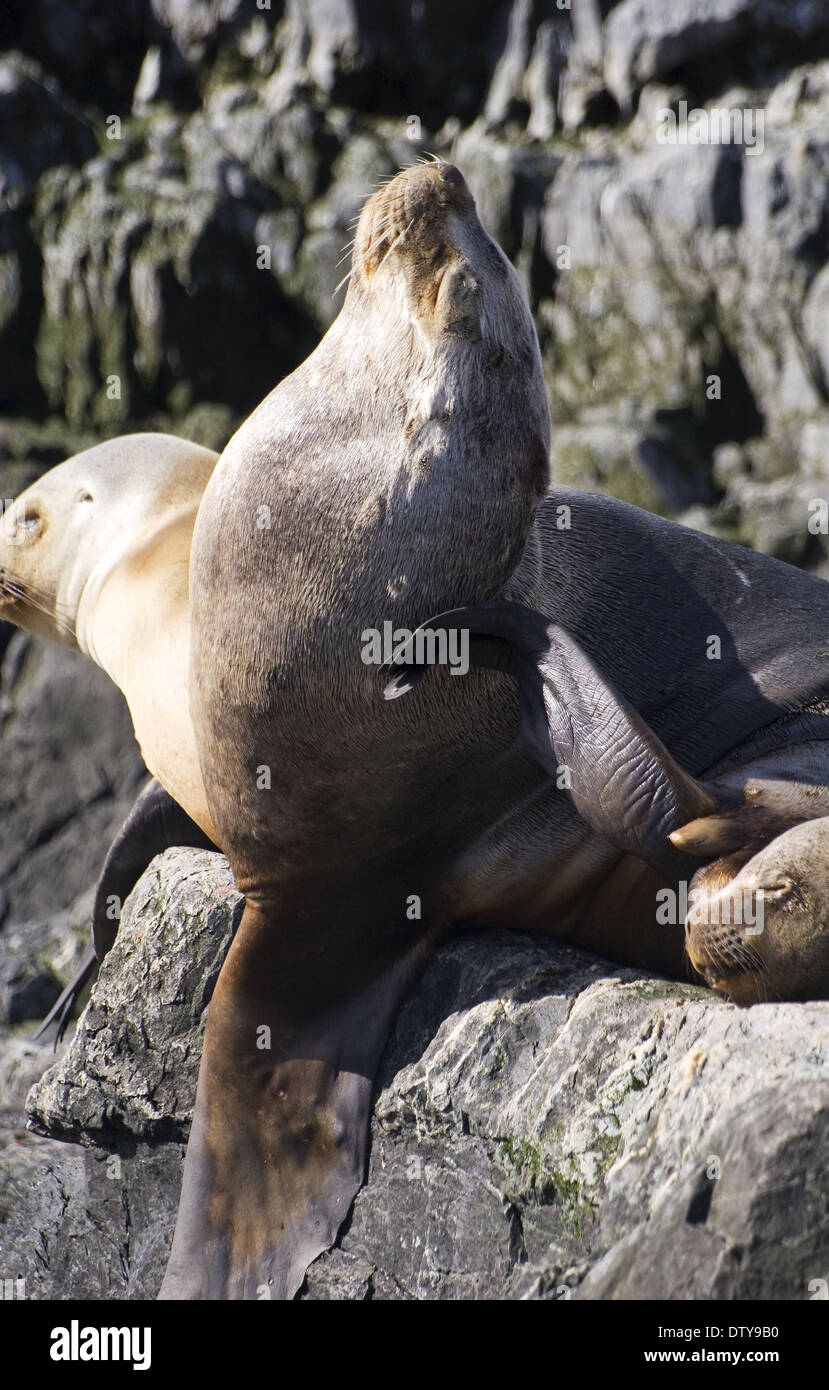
(545, 1126)
(178, 182)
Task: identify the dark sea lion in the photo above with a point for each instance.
(632, 792)
(396, 473)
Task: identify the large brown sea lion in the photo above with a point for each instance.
(400, 465)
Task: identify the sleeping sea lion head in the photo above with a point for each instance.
(63, 536)
(762, 932)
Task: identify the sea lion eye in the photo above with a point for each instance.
(29, 521)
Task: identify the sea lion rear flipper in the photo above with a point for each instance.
(155, 823)
(279, 1142)
(622, 779)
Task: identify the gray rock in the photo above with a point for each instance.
(646, 39)
(140, 265)
(396, 59)
(71, 772)
(722, 1193)
(39, 125)
(779, 517)
(525, 81)
(148, 1006)
(81, 1223)
(88, 46)
(23, 1061)
(545, 1126)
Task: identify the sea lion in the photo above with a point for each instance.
(758, 927)
(403, 462)
(632, 792)
(764, 930)
(95, 556)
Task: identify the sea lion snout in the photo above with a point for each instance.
(422, 232)
(721, 954)
(765, 933)
(12, 590)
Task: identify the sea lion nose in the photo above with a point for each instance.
(451, 175)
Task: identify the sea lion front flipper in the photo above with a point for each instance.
(155, 823)
(279, 1142)
(64, 1004)
(622, 779)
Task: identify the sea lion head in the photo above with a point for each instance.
(419, 240)
(432, 289)
(762, 932)
(61, 537)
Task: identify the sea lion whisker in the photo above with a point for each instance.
(342, 282)
(397, 241)
(346, 251)
(23, 591)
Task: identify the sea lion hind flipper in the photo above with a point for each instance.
(279, 1143)
(621, 777)
(155, 823)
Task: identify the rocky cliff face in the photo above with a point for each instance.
(177, 183)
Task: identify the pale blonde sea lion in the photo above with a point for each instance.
(95, 555)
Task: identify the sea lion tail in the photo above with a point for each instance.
(279, 1143)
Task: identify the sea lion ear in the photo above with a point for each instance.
(621, 777)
